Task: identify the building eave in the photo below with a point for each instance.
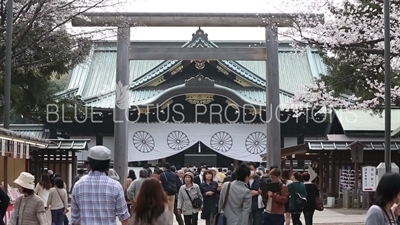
(13, 135)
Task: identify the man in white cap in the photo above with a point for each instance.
(96, 198)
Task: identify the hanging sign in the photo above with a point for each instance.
(357, 152)
(3, 147)
(15, 149)
(27, 151)
(21, 150)
(369, 178)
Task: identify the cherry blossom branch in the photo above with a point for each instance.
(318, 95)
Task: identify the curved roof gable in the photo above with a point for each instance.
(96, 77)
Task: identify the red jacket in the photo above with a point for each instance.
(278, 200)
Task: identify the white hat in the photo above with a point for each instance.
(99, 153)
(26, 180)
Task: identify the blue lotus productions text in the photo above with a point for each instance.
(215, 113)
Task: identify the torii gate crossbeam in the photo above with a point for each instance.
(125, 52)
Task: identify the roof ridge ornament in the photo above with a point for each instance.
(200, 34)
(199, 80)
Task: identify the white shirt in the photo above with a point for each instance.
(42, 193)
(251, 182)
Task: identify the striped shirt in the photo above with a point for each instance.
(96, 200)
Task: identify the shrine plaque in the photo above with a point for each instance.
(357, 153)
(369, 178)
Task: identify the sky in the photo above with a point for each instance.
(212, 6)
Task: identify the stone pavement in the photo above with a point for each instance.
(326, 217)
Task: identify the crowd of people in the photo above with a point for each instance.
(241, 196)
(43, 204)
(161, 196)
(193, 190)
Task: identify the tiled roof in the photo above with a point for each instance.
(295, 70)
(18, 135)
(68, 144)
(143, 95)
(94, 80)
(36, 131)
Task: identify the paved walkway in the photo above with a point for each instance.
(326, 217)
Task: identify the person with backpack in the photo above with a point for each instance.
(169, 183)
(298, 197)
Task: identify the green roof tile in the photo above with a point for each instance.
(95, 79)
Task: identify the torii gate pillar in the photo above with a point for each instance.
(272, 92)
(122, 104)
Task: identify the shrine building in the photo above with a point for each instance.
(191, 112)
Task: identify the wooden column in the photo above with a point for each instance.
(99, 139)
(5, 167)
(121, 108)
(272, 91)
(321, 174)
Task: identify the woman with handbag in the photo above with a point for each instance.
(28, 208)
(313, 200)
(210, 195)
(298, 195)
(58, 202)
(190, 200)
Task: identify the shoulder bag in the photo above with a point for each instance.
(19, 207)
(66, 220)
(319, 206)
(395, 221)
(196, 202)
(171, 186)
(220, 218)
(299, 200)
(66, 210)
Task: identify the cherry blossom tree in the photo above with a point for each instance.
(351, 42)
(44, 47)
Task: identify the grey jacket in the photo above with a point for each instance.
(184, 202)
(376, 216)
(238, 207)
(134, 189)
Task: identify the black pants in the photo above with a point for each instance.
(308, 216)
(191, 219)
(257, 216)
(296, 218)
(273, 219)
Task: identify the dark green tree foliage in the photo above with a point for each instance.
(42, 47)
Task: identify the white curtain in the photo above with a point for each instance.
(160, 140)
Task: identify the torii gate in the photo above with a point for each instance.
(125, 52)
